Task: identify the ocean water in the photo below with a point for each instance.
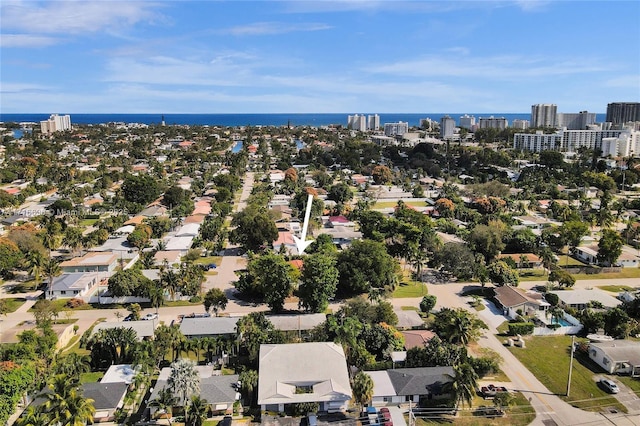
(280, 119)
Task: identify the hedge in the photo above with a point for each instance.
(520, 328)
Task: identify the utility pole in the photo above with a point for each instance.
(573, 338)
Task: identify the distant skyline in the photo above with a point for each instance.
(316, 56)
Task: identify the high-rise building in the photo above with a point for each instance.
(373, 122)
(543, 115)
(520, 124)
(55, 123)
(357, 122)
(493, 123)
(396, 129)
(623, 112)
(563, 140)
(576, 121)
(447, 127)
(468, 122)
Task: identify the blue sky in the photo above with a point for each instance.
(317, 56)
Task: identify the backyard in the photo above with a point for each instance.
(548, 358)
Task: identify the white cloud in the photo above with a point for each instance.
(75, 17)
(268, 28)
(26, 40)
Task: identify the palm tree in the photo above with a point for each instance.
(118, 342)
(170, 281)
(65, 404)
(33, 416)
(249, 382)
(362, 388)
(36, 263)
(165, 402)
(197, 411)
(52, 269)
(464, 383)
(156, 297)
(72, 366)
(72, 238)
(184, 380)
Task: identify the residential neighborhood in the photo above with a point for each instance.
(159, 274)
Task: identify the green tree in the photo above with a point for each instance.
(10, 256)
(140, 236)
(455, 259)
(253, 229)
(44, 311)
(487, 240)
(141, 189)
(362, 388)
(271, 275)
(184, 380)
(609, 247)
(164, 402)
(65, 405)
(572, 232)
(197, 411)
(319, 282)
(502, 274)
(616, 323)
(381, 175)
(72, 365)
(427, 303)
(366, 265)
(562, 277)
(464, 384)
(110, 346)
(216, 300)
(72, 238)
(458, 326)
(340, 193)
(129, 282)
(249, 383)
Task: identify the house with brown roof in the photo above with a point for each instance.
(91, 262)
(417, 338)
(513, 301)
(523, 260)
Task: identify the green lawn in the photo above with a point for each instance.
(564, 260)
(61, 304)
(24, 287)
(519, 414)
(632, 382)
(13, 303)
(92, 377)
(616, 288)
(626, 273)
(547, 357)
(88, 222)
(532, 275)
(391, 204)
(410, 289)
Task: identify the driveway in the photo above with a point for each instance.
(492, 315)
(626, 396)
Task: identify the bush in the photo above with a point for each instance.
(521, 328)
(484, 365)
(552, 298)
(195, 299)
(75, 303)
(554, 326)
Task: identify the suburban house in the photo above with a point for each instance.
(523, 260)
(580, 298)
(314, 372)
(193, 328)
(107, 398)
(285, 239)
(76, 284)
(296, 322)
(417, 338)
(617, 356)
(91, 262)
(589, 254)
(220, 391)
(171, 257)
(512, 300)
(143, 329)
(402, 385)
(408, 319)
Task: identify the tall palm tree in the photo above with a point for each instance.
(464, 383)
(170, 281)
(197, 411)
(362, 388)
(72, 238)
(165, 402)
(249, 382)
(184, 380)
(65, 404)
(52, 269)
(72, 366)
(156, 296)
(36, 264)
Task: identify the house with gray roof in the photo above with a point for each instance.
(220, 391)
(193, 328)
(580, 298)
(402, 385)
(314, 372)
(617, 356)
(76, 284)
(107, 398)
(143, 329)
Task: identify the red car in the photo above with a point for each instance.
(385, 417)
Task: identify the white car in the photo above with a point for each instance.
(150, 317)
(609, 385)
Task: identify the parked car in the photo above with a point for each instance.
(149, 317)
(129, 317)
(609, 385)
(385, 417)
(312, 419)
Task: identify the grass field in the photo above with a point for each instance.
(92, 377)
(548, 358)
(625, 273)
(616, 288)
(391, 204)
(410, 289)
(564, 260)
(13, 304)
(519, 414)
